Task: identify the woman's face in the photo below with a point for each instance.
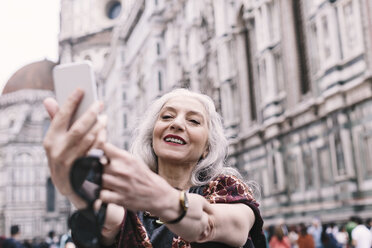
(181, 131)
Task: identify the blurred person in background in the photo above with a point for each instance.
(69, 243)
(332, 228)
(369, 224)
(64, 238)
(361, 236)
(342, 236)
(270, 233)
(279, 240)
(293, 235)
(282, 224)
(27, 243)
(350, 225)
(52, 240)
(13, 241)
(316, 231)
(2, 240)
(328, 239)
(266, 233)
(305, 240)
(66, 241)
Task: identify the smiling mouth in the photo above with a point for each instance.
(175, 140)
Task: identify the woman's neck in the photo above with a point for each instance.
(176, 175)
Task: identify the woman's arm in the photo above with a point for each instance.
(225, 223)
(128, 182)
(114, 218)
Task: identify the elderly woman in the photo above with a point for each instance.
(173, 189)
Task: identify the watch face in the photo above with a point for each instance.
(185, 202)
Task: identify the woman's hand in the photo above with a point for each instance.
(127, 181)
(63, 144)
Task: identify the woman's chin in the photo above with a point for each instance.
(177, 160)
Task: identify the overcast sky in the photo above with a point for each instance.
(28, 32)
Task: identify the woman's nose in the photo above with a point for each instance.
(178, 123)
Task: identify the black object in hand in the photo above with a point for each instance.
(86, 180)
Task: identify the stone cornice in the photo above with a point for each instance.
(26, 95)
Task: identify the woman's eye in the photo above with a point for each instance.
(195, 121)
(165, 117)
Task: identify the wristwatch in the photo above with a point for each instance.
(184, 202)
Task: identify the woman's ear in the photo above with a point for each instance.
(205, 153)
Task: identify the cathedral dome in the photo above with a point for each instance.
(37, 75)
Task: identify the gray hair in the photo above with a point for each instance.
(207, 168)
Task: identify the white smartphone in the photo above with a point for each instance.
(67, 77)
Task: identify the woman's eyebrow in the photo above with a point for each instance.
(168, 108)
(190, 112)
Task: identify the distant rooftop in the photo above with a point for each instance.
(37, 75)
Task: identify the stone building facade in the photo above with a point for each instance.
(291, 78)
(27, 195)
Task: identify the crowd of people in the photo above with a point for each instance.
(50, 241)
(356, 233)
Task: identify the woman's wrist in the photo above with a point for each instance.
(166, 205)
(76, 201)
(176, 209)
(184, 203)
(112, 225)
